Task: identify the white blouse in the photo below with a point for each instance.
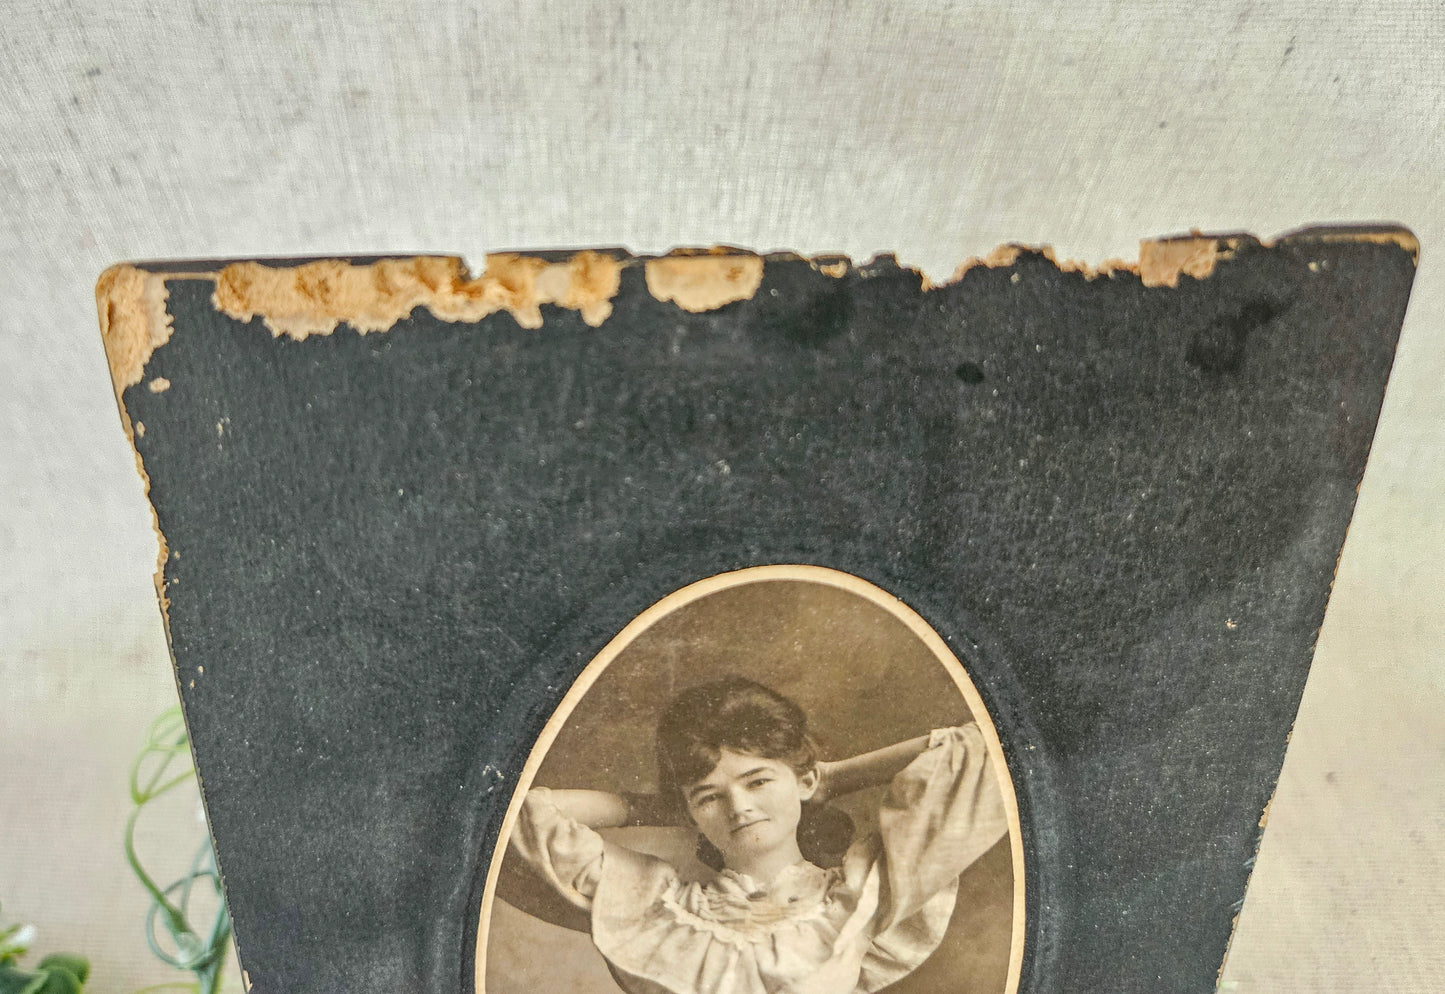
(856, 927)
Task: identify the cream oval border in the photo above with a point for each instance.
(711, 585)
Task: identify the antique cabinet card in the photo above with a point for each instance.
(724, 623)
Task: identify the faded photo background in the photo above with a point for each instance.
(865, 681)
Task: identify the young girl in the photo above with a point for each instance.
(792, 908)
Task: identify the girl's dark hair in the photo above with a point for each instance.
(742, 715)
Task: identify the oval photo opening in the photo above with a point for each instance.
(778, 779)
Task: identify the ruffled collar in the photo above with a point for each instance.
(787, 887)
(738, 904)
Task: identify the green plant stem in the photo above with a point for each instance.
(165, 741)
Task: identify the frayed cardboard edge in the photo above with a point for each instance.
(1162, 262)
(134, 322)
(698, 283)
(315, 298)
(131, 306)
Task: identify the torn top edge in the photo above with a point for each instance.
(131, 305)
(315, 297)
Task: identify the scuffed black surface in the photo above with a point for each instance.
(396, 551)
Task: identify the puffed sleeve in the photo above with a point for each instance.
(943, 811)
(563, 852)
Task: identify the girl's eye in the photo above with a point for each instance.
(760, 781)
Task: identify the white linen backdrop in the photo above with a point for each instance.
(937, 130)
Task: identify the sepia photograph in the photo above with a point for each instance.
(778, 779)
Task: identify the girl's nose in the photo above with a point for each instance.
(739, 805)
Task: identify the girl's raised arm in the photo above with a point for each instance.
(869, 769)
(593, 808)
(604, 809)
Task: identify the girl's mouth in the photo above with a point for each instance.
(757, 821)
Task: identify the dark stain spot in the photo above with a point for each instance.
(1163, 124)
(92, 72)
(1219, 346)
(970, 372)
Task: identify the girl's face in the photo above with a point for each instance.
(749, 806)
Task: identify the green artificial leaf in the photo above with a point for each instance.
(13, 980)
(78, 965)
(58, 980)
(14, 941)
